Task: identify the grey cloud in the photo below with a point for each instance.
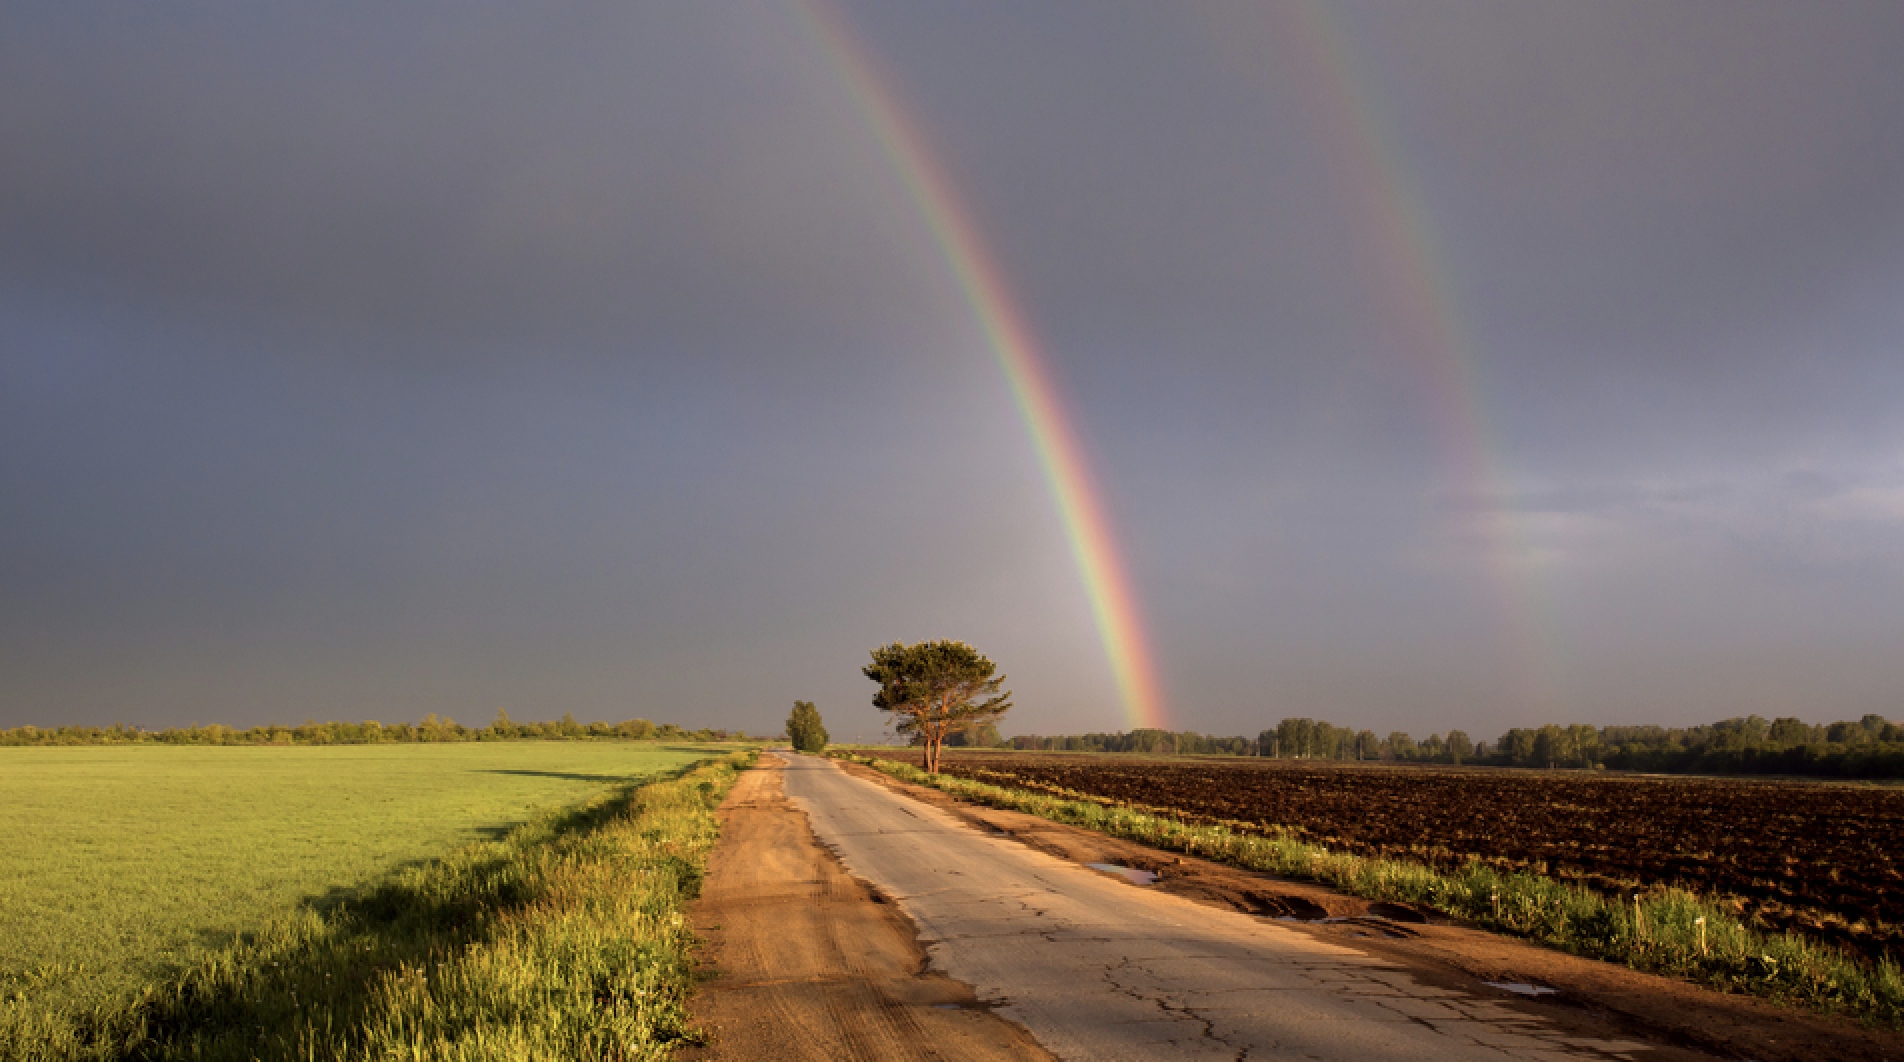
(587, 171)
(434, 356)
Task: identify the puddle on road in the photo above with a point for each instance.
(1130, 874)
(1523, 988)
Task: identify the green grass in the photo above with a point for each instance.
(564, 939)
(126, 864)
(1667, 931)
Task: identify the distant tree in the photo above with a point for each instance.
(1460, 746)
(974, 736)
(1368, 746)
(1549, 742)
(1789, 731)
(804, 728)
(1518, 744)
(637, 730)
(1583, 744)
(1153, 741)
(1295, 738)
(933, 687)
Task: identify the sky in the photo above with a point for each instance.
(1413, 367)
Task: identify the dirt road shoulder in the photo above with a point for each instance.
(810, 963)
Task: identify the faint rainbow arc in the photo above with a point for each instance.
(1113, 606)
(1413, 272)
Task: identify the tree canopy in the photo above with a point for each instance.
(934, 688)
(805, 729)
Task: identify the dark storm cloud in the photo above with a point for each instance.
(450, 172)
(380, 360)
(1616, 169)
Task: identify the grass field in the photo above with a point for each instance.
(122, 865)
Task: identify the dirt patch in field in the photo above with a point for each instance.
(1599, 996)
(807, 962)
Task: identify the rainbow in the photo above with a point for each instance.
(1016, 350)
(1422, 297)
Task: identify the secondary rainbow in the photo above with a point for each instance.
(1012, 344)
(1422, 296)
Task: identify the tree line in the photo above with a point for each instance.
(1146, 741)
(1872, 747)
(369, 732)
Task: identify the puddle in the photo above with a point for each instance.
(1523, 988)
(1130, 874)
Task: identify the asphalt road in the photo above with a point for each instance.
(1097, 968)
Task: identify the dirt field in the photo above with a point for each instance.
(1826, 860)
(1596, 998)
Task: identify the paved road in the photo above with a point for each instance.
(1099, 969)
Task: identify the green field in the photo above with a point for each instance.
(122, 864)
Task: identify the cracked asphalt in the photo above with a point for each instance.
(1096, 968)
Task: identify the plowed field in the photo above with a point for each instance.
(1821, 859)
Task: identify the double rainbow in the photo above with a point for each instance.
(1409, 272)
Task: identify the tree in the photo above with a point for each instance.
(1787, 731)
(934, 687)
(1368, 746)
(637, 729)
(1460, 746)
(1550, 745)
(974, 736)
(805, 729)
(1401, 746)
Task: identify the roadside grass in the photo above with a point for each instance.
(563, 939)
(124, 864)
(1665, 931)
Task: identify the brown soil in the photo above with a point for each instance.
(809, 963)
(1601, 998)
